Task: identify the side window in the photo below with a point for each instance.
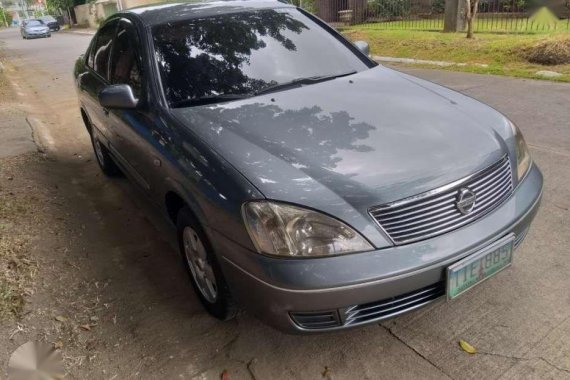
(102, 48)
(91, 53)
(126, 60)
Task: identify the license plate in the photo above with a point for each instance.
(473, 269)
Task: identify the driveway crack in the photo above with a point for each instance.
(415, 351)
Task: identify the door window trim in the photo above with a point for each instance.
(94, 44)
(138, 49)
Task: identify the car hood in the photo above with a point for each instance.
(36, 28)
(353, 142)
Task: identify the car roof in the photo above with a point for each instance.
(161, 13)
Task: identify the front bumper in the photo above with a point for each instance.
(324, 294)
(37, 34)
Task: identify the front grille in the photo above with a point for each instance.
(369, 312)
(435, 212)
(317, 319)
(390, 307)
(520, 237)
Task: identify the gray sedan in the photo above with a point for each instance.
(34, 28)
(307, 184)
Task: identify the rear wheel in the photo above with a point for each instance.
(203, 269)
(104, 158)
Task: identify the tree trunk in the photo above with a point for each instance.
(470, 13)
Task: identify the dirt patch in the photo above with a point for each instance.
(46, 295)
(16, 276)
(552, 51)
(17, 267)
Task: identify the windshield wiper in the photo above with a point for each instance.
(299, 82)
(209, 99)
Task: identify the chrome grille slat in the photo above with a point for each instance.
(492, 193)
(484, 178)
(413, 206)
(520, 237)
(435, 212)
(416, 211)
(460, 222)
(367, 308)
(376, 311)
(363, 315)
(431, 216)
(479, 209)
(492, 185)
(455, 216)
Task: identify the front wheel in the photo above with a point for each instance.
(203, 269)
(104, 159)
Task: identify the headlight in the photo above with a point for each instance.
(522, 153)
(284, 230)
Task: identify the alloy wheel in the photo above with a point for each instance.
(197, 258)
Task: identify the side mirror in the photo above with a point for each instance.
(363, 47)
(118, 96)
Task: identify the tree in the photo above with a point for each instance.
(471, 8)
(60, 5)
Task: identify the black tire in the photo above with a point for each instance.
(224, 306)
(104, 159)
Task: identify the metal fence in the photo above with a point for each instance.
(502, 16)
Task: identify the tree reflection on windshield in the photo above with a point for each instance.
(241, 53)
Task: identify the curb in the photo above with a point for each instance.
(84, 32)
(40, 135)
(424, 62)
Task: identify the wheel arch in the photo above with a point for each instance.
(175, 199)
(86, 120)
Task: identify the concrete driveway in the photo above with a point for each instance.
(153, 326)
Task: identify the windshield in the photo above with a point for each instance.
(34, 23)
(243, 53)
(48, 19)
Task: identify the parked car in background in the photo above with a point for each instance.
(34, 28)
(51, 22)
(317, 188)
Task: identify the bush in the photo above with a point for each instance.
(5, 16)
(390, 9)
(552, 51)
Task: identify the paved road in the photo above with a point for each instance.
(519, 320)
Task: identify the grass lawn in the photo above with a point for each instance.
(482, 24)
(501, 52)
